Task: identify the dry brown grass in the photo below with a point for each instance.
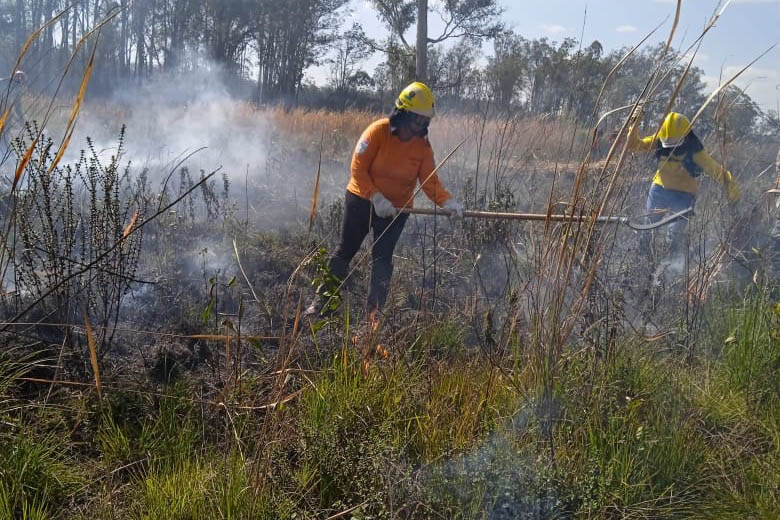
(538, 137)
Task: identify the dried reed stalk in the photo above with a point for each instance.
(243, 272)
(584, 240)
(696, 43)
(24, 162)
(228, 357)
(4, 118)
(316, 195)
(77, 103)
(4, 261)
(93, 355)
(30, 39)
(674, 26)
(729, 82)
(130, 225)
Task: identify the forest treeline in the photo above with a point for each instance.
(262, 50)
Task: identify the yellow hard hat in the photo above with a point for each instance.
(416, 98)
(673, 130)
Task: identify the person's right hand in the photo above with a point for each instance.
(454, 207)
(382, 206)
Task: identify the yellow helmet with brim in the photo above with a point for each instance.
(674, 129)
(416, 98)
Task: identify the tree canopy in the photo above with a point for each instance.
(262, 50)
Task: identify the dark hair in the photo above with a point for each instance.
(400, 118)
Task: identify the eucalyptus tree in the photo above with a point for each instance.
(350, 49)
(457, 75)
(506, 68)
(291, 38)
(475, 19)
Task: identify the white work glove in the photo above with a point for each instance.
(454, 207)
(383, 207)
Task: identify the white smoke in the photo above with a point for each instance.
(193, 119)
(170, 116)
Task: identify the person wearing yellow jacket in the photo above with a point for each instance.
(681, 159)
(391, 157)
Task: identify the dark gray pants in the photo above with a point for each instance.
(359, 216)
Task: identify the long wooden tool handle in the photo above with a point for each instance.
(515, 216)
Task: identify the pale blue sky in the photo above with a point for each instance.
(744, 31)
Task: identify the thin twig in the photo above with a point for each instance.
(241, 268)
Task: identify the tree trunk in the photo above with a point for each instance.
(124, 36)
(48, 36)
(139, 19)
(96, 13)
(64, 30)
(421, 64)
(20, 24)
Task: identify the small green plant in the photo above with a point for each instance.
(326, 284)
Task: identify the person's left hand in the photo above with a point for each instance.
(454, 207)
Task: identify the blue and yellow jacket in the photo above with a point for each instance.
(673, 174)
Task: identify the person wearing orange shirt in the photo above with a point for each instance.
(392, 156)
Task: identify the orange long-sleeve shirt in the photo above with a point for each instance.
(382, 162)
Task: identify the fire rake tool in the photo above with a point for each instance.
(637, 223)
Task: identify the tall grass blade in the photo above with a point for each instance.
(437, 168)
(76, 109)
(243, 272)
(697, 44)
(4, 119)
(680, 83)
(62, 148)
(315, 197)
(130, 225)
(612, 73)
(729, 82)
(24, 162)
(674, 26)
(76, 49)
(113, 12)
(228, 357)
(722, 9)
(28, 43)
(93, 353)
